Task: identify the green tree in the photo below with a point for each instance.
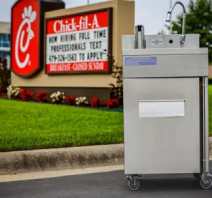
(198, 21)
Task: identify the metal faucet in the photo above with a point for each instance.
(169, 18)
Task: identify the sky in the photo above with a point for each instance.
(150, 13)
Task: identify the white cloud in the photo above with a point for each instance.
(150, 13)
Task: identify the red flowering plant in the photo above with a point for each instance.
(25, 94)
(94, 101)
(103, 103)
(41, 96)
(112, 103)
(71, 100)
(1, 91)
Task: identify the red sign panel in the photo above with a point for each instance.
(25, 48)
(79, 43)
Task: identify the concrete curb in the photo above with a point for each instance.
(64, 158)
(210, 147)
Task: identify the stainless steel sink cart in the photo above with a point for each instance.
(165, 107)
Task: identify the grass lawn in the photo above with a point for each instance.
(27, 125)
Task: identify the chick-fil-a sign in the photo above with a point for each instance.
(25, 51)
(79, 43)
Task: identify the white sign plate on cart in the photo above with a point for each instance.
(160, 109)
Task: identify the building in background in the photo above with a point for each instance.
(5, 42)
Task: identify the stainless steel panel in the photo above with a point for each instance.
(169, 63)
(162, 145)
(163, 41)
(205, 127)
(172, 41)
(165, 51)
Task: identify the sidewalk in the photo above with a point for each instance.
(59, 173)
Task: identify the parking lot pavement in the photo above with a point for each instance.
(104, 185)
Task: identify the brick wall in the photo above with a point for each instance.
(210, 71)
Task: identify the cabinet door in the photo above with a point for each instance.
(162, 129)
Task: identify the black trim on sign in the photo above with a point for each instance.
(110, 44)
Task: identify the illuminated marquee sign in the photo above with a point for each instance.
(25, 48)
(79, 43)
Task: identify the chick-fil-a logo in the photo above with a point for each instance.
(25, 27)
(25, 52)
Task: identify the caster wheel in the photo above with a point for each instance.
(197, 176)
(206, 183)
(134, 184)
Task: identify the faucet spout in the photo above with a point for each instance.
(169, 15)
